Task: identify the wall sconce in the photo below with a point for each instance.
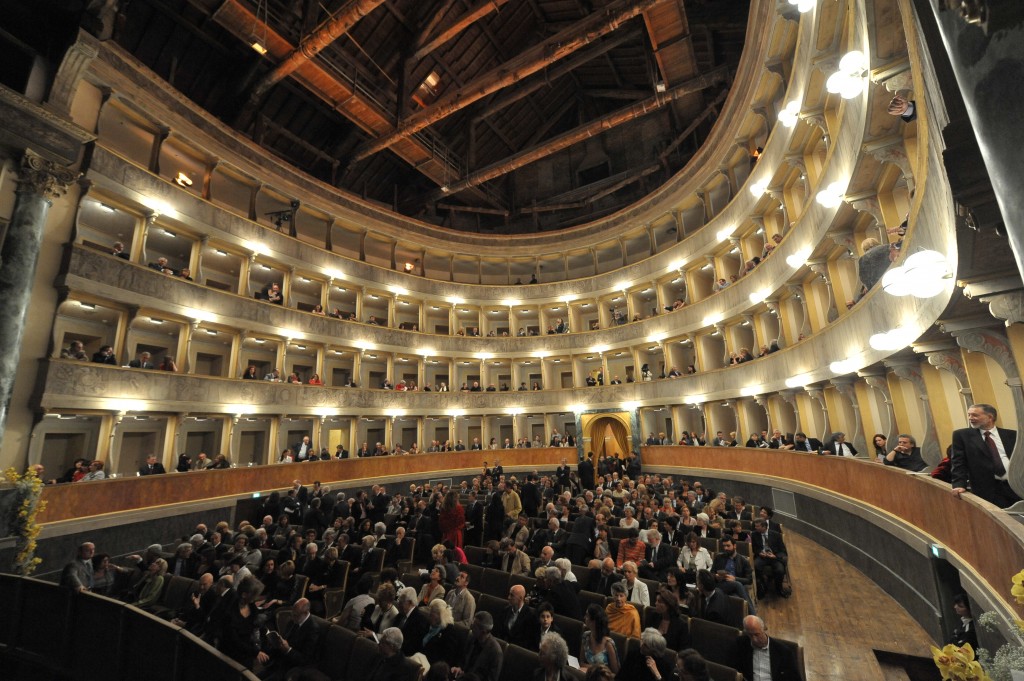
(848, 82)
(791, 114)
(831, 196)
(923, 275)
(803, 6)
(183, 180)
(408, 268)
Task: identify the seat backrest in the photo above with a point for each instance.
(491, 604)
(177, 592)
(528, 582)
(334, 602)
(719, 672)
(361, 662)
(282, 618)
(474, 554)
(475, 572)
(798, 654)
(716, 642)
(744, 548)
(301, 584)
(737, 609)
(494, 582)
(709, 543)
(572, 632)
(588, 597)
(518, 662)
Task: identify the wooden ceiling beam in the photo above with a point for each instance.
(472, 15)
(571, 137)
(554, 74)
(311, 45)
(525, 64)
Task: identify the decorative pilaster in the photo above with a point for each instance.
(820, 267)
(844, 386)
(818, 395)
(909, 370)
(952, 362)
(876, 380)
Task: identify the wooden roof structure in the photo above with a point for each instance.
(484, 115)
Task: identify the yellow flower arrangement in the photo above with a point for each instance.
(1017, 590)
(958, 663)
(29, 489)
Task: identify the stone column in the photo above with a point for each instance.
(39, 182)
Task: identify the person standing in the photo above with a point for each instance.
(981, 456)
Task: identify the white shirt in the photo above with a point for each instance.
(762, 664)
(994, 432)
(843, 449)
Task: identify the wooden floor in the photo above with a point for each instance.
(839, 616)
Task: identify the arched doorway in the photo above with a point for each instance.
(609, 435)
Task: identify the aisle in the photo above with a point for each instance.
(839, 615)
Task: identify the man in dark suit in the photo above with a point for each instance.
(770, 557)
(294, 647)
(517, 622)
(658, 558)
(530, 496)
(562, 474)
(754, 644)
(304, 450)
(144, 361)
(581, 538)
(838, 446)
(981, 455)
(601, 580)
(474, 519)
(802, 443)
(586, 471)
(152, 466)
(733, 572)
(561, 596)
(714, 603)
(483, 657)
(411, 620)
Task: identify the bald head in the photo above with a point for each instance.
(301, 608)
(517, 596)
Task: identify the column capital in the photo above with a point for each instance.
(38, 175)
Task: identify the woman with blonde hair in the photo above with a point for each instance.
(151, 586)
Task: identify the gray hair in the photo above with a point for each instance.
(553, 574)
(407, 595)
(618, 588)
(653, 534)
(654, 641)
(444, 612)
(554, 648)
(564, 565)
(380, 528)
(393, 637)
(909, 437)
(484, 619)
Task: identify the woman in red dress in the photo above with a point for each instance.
(452, 519)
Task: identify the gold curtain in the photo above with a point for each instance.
(610, 437)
